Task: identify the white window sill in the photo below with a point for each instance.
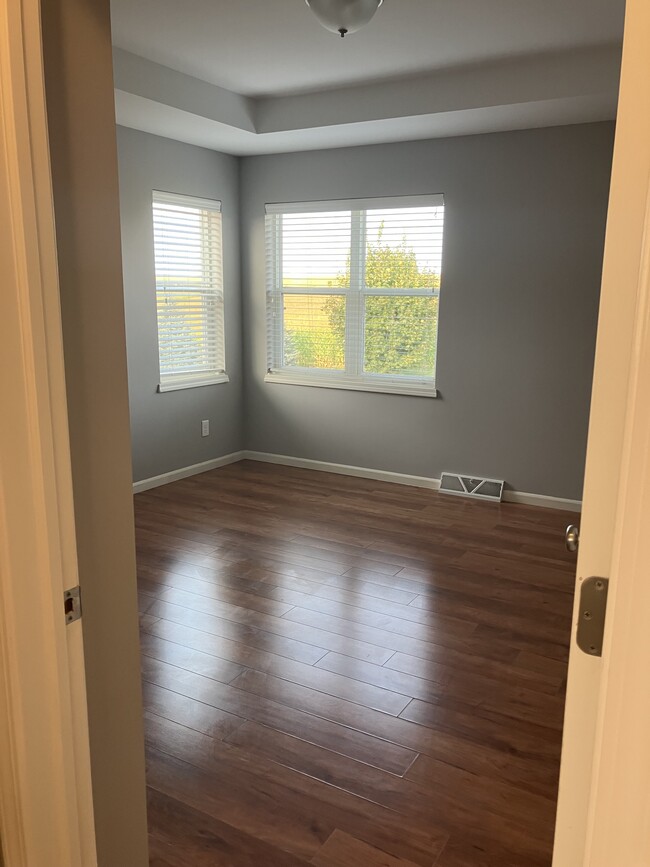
(413, 388)
(179, 384)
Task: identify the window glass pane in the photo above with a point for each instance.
(314, 331)
(316, 250)
(400, 335)
(404, 248)
(187, 247)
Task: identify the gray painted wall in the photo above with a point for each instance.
(524, 232)
(166, 428)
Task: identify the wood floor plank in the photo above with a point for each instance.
(255, 810)
(343, 672)
(284, 808)
(260, 582)
(429, 788)
(269, 630)
(181, 836)
(525, 567)
(491, 641)
(492, 729)
(154, 562)
(225, 648)
(544, 677)
(208, 665)
(504, 690)
(227, 671)
(484, 725)
(397, 681)
(181, 709)
(241, 577)
(300, 755)
(342, 850)
(370, 749)
(167, 541)
(423, 644)
(497, 810)
(174, 588)
(327, 559)
(471, 850)
(378, 613)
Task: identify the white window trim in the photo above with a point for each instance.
(324, 380)
(172, 384)
(384, 383)
(181, 381)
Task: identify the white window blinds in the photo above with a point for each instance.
(353, 292)
(189, 290)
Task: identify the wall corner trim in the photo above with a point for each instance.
(521, 497)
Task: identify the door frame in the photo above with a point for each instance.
(46, 811)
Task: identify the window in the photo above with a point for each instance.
(352, 293)
(189, 291)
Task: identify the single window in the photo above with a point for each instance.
(189, 291)
(352, 293)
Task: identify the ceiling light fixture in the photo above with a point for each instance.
(343, 16)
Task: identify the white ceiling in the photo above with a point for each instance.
(271, 47)
(262, 76)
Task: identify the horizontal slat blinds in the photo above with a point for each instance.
(189, 288)
(352, 292)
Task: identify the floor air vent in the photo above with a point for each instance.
(470, 486)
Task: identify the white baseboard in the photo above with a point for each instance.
(344, 470)
(185, 472)
(404, 479)
(542, 500)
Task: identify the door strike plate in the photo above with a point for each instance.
(591, 619)
(72, 604)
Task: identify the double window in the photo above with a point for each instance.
(189, 291)
(352, 293)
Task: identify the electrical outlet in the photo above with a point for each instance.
(205, 427)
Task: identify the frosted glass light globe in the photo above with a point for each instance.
(343, 16)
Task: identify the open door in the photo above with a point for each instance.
(603, 808)
(46, 806)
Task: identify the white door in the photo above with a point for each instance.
(603, 812)
(46, 813)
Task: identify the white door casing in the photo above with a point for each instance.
(46, 814)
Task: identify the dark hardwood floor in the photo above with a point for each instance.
(348, 673)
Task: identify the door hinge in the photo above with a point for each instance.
(591, 618)
(72, 604)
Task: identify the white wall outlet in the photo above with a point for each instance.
(205, 427)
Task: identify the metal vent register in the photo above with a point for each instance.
(471, 486)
